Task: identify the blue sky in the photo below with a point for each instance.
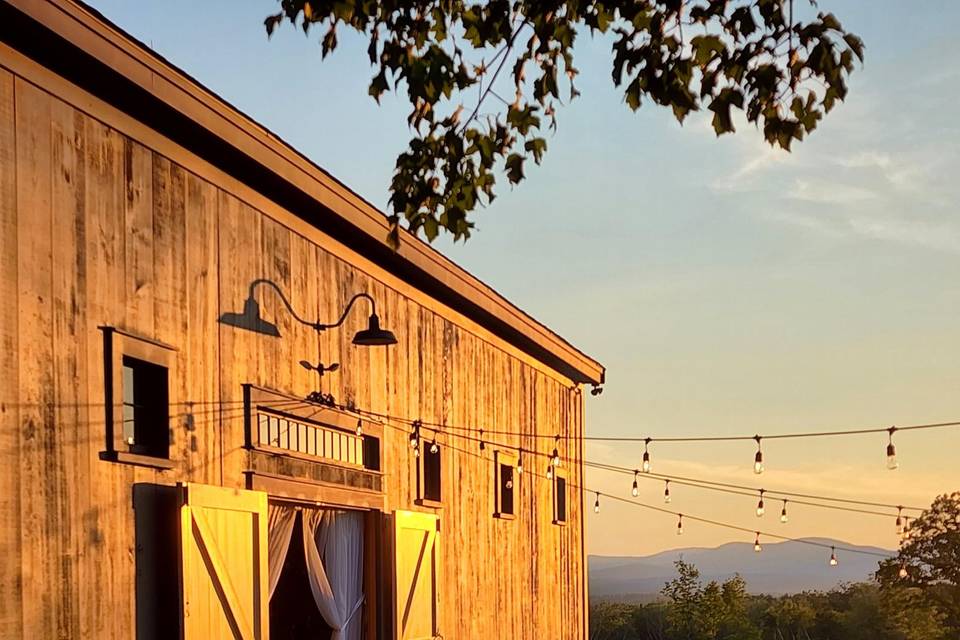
(728, 287)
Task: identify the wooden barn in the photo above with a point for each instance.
(227, 408)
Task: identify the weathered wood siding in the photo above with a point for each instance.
(98, 229)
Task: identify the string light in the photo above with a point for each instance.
(415, 439)
(899, 521)
(738, 489)
(482, 445)
(680, 524)
(635, 491)
(556, 450)
(596, 505)
(666, 491)
(783, 513)
(903, 570)
(359, 427)
(756, 543)
(760, 509)
(892, 463)
(433, 445)
(549, 472)
(833, 557)
(646, 456)
(758, 459)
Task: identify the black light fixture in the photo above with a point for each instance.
(250, 319)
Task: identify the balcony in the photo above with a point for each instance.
(310, 451)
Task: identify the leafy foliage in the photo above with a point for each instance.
(860, 611)
(720, 55)
(930, 554)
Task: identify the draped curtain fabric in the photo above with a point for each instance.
(280, 521)
(333, 547)
(341, 540)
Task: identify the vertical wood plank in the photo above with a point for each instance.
(11, 622)
(38, 487)
(139, 229)
(69, 363)
(107, 523)
(200, 361)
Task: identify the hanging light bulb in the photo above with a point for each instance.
(892, 463)
(758, 459)
(756, 543)
(666, 491)
(783, 513)
(680, 524)
(519, 461)
(549, 472)
(906, 530)
(556, 450)
(508, 484)
(899, 521)
(359, 427)
(903, 570)
(635, 491)
(482, 445)
(433, 445)
(760, 509)
(833, 557)
(596, 505)
(415, 436)
(646, 456)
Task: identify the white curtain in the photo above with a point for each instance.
(333, 546)
(341, 539)
(280, 521)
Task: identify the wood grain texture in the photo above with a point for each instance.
(108, 231)
(11, 620)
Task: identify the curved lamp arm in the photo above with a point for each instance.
(319, 326)
(373, 311)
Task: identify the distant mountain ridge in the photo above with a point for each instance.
(781, 568)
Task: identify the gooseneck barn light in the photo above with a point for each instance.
(251, 320)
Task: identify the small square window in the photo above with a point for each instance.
(506, 484)
(429, 476)
(559, 496)
(137, 383)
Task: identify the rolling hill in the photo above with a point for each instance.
(785, 567)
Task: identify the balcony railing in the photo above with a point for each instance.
(277, 423)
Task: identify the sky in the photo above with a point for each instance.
(729, 288)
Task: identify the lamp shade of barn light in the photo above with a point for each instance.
(374, 335)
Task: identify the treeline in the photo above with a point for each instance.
(693, 611)
(914, 596)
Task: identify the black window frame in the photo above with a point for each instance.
(561, 505)
(155, 363)
(430, 473)
(505, 469)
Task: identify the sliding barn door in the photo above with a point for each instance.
(417, 560)
(224, 556)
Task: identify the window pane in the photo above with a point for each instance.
(146, 412)
(561, 499)
(506, 489)
(431, 474)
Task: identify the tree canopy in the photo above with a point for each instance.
(485, 80)
(915, 597)
(930, 559)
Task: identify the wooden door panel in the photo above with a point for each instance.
(224, 556)
(416, 557)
